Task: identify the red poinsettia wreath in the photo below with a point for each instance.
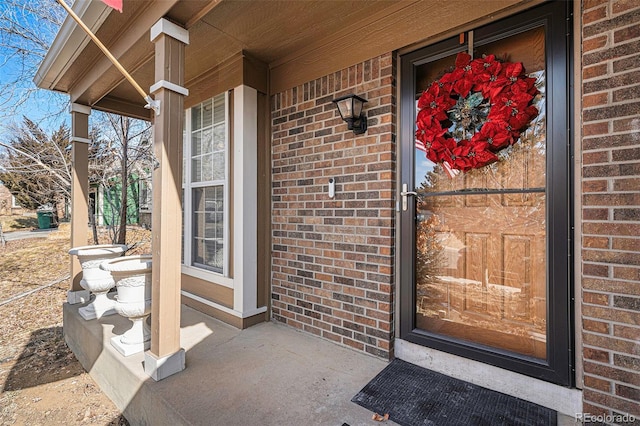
(475, 111)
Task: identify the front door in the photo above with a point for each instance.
(485, 210)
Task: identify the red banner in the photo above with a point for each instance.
(116, 4)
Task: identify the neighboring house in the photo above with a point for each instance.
(105, 201)
(8, 203)
(534, 278)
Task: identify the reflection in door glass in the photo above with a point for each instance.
(481, 236)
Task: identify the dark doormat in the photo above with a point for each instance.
(413, 395)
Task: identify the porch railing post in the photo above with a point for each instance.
(165, 356)
(79, 195)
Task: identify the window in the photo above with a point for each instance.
(205, 185)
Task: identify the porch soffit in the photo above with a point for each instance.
(108, 32)
(299, 40)
(131, 45)
(137, 58)
(219, 30)
(79, 68)
(408, 23)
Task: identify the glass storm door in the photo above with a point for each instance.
(486, 252)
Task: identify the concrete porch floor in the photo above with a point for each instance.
(269, 374)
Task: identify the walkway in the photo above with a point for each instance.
(21, 235)
(269, 374)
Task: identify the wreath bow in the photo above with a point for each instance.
(471, 113)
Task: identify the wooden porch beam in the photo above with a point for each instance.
(165, 356)
(123, 107)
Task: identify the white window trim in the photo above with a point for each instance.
(245, 184)
(14, 202)
(237, 314)
(244, 281)
(207, 275)
(187, 186)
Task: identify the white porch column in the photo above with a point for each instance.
(165, 356)
(245, 194)
(79, 195)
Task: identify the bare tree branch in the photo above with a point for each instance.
(36, 167)
(27, 29)
(125, 159)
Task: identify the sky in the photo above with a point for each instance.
(27, 28)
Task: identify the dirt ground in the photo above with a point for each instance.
(41, 382)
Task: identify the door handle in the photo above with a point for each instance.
(405, 192)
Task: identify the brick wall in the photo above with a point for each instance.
(332, 263)
(611, 206)
(5, 200)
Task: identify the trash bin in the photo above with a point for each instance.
(44, 219)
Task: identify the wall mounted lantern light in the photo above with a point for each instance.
(350, 108)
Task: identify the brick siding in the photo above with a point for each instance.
(5, 200)
(332, 263)
(333, 259)
(611, 206)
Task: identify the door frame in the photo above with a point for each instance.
(559, 366)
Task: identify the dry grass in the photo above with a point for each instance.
(26, 265)
(40, 378)
(18, 223)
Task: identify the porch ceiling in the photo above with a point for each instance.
(219, 29)
(297, 40)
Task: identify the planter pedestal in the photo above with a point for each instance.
(96, 280)
(132, 275)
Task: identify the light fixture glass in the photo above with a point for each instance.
(350, 109)
(345, 108)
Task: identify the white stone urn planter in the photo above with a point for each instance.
(132, 275)
(96, 280)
